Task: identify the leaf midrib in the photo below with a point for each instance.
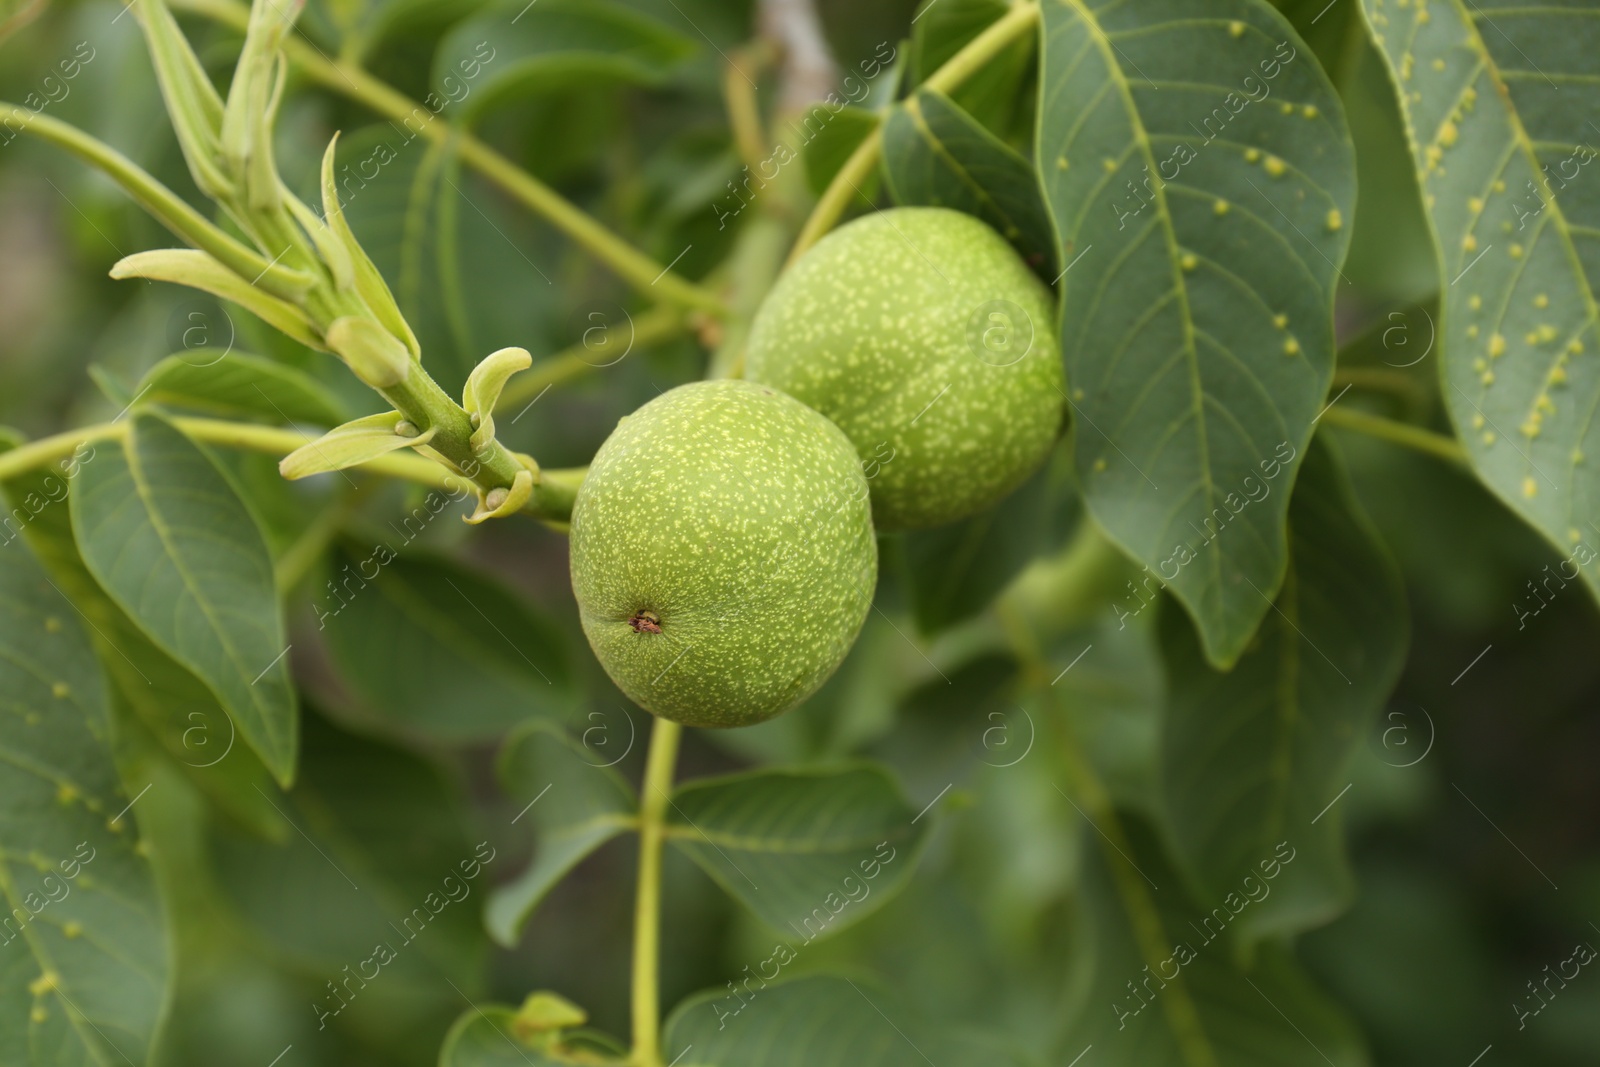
(8, 889)
(1558, 217)
(141, 488)
(1191, 355)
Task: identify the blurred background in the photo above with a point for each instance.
(1474, 813)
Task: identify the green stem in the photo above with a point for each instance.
(552, 496)
(1400, 433)
(634, 266)
(165, 205)
(957, 69)
(655, 795)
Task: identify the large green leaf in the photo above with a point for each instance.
(809, 851)
(935, 154)
(379, 855)
(165, 699)
(83, 943)
(818, 1021)
(575, 801)
(1500, 113)
(439, 651)
(164, 534)
(1193, 1007)
(238, 385)
(516, 47)
(1258, 755)
(1201, 232)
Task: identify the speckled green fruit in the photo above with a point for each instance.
(723, 554)
(932, 346)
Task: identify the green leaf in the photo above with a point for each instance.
(514, 49)
(198, 270)
(808, 851)
(366, 280)
(439, 651)
(1196, 313)
(351, 444)
(164, 699)
(240, 386)
(164, 534)
(937, 155)
(818, 1021)
(84, 963)
(576, 803)
(1193, 1007)
(954, 572)
(1253, 756)
(1499, 114)
(380, 856)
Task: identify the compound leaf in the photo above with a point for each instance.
(1198, 169)
(84, 963)
(162, 531)
(803, 849)
(1501, 119)
(1255, 756)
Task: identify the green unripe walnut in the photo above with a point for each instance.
(932, 346)
(723, 554)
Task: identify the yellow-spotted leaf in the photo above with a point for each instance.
(1502, 108)
(164, 533)
(1199, 174)
(84, 958)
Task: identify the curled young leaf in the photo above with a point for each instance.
(333, 251)
(351, 444)
(198, 270)
(483, 388)
(368, 281)
(499, 503)
(192, 100)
